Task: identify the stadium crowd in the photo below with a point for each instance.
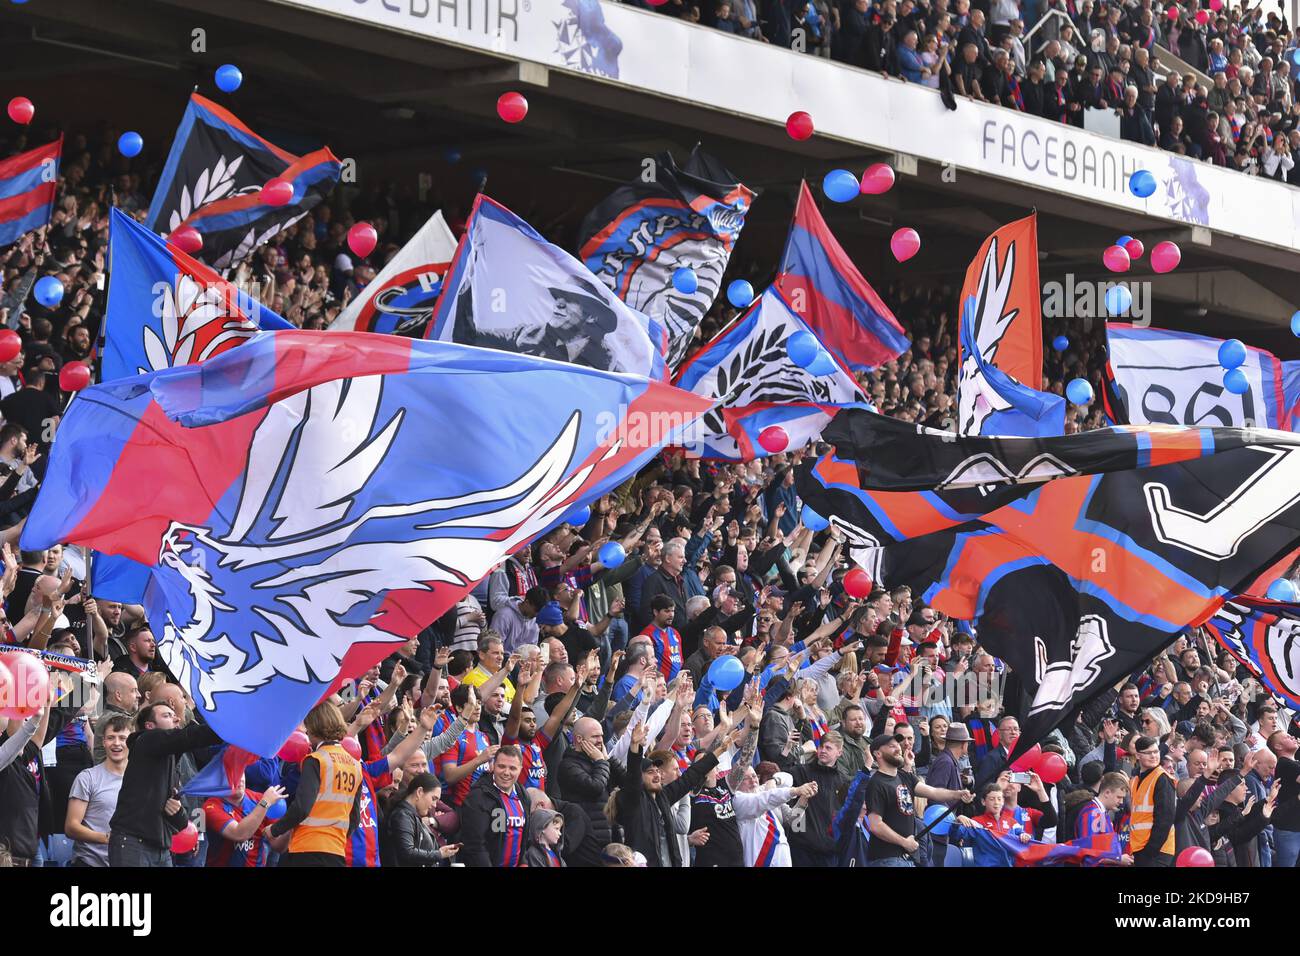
(562, 714)
(1097, 54)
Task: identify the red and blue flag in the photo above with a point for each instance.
(27, 185)
(321, 505)
(826, 290)
(213, 177)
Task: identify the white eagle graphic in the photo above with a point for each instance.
(976, 398)
(317, 573)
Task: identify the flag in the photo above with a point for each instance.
(747, 371)
(220, 775)
(1163, 377)
(1080, 556)
(638, 236)
(27, 185)
(1264, 637)
(1002, 328)
(992, 849)
(164, 309)
(212, 178)
(401, 298)
(321, 504)
(829, 293)
(510, 289)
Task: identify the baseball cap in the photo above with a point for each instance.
(881, 740)
(550, 614)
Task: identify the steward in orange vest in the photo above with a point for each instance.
(1154, 801)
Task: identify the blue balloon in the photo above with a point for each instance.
(726, 673)
(451, 154)
(803, 348)
(1118, 299)
(578, 518)
(49, 291)
(1123, 240)
(1295, 323)
(740, 293)
(812, 520)
(684, 280)
(229, 78)
(1295, 55)
(130, 144)
(840, 185)
(611, 554)
(1079, 391)
(1235, 381)
(822, 365)
(1060, 343)
(276, 810)
(1142, 184)
(1232, 353)
(933, 812)
(1283, 589)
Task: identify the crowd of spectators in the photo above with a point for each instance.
(562, 713)
(1240, 108)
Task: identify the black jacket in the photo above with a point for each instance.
(409, 841)
(815, 837)
(481, 839)
(643, 817)
(661, 582)
(586, 782)
(151, 777)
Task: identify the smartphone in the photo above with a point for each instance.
(1022, 778)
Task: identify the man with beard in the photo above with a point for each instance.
(141, 655)
(891, 814)
(521, 726)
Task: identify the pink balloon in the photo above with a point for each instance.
(277, 192)
(1216, 4)
(878, 178)
(1165, 256)
(352, 746)
(1134, 248)
(186, 840)
(904, 244)
(295, 748)
(774, 439)
(362, 239)
(1116, 259)
(1028, 760)
(21, 110)
(1202, 17)
(799, 125)
(7, 696)
(187, 239)
(1051, 768)
(1195, 856)
(1171, 13)
(512, 107)
(29, 687)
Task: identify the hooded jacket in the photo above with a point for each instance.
(587, 783)
(644, 816)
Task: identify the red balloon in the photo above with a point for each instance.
(362, 239)
(512, 107)
(6, 687)
(187, 239)
(74, 376)
(774, 439)
(21, 110)
(1028, 760)
(1203, 17)
(1134, 248)
(1172, 12)
(186, 840)
(1195, 856)
(1051, 768)
(799, 125)
(28, 689)
(857, 584)
(295, 748)
(11, 344)
(277, 192)
(352, 746)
